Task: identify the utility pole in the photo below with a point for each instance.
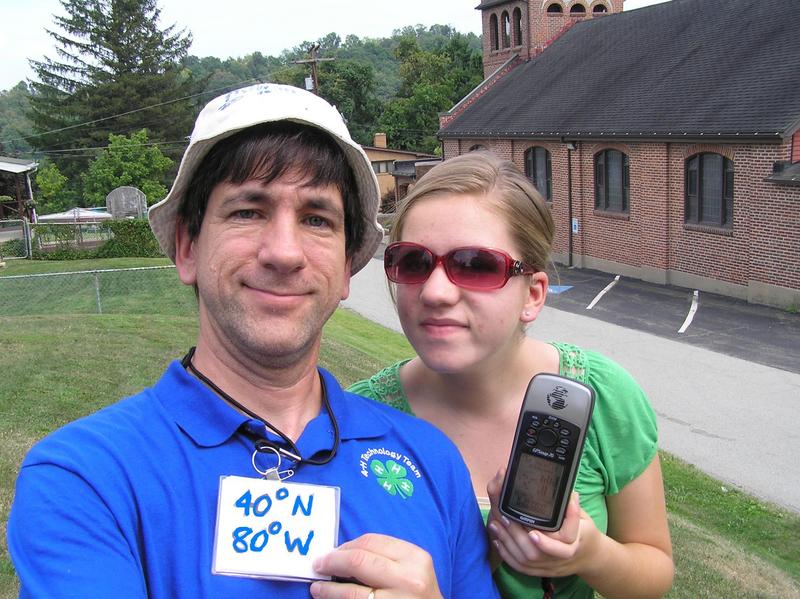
(313, 59)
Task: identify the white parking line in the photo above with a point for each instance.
(690, 315)
(602, 293)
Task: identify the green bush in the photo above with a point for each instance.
(131, 238)
(61, 242)
(64, 252)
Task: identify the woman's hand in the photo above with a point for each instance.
(381, 567)
(633, 560)
(535, 552)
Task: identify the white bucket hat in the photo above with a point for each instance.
(266, 103)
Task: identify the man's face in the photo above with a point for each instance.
(270, 267)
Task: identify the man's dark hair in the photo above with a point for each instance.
(266, 153)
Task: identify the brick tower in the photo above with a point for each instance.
(526, 27)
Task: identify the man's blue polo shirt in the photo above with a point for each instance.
(123, 502)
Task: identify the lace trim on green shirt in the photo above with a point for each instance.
(386, 385)
(572, 361)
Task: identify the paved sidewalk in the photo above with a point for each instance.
(734, 419)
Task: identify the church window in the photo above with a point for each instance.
(709, 190)
(539, 171)
(611, 181)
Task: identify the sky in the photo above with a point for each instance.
(234, 28)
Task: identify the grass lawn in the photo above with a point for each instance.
(60, 366)
(29, 287)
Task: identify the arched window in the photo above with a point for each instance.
(555, 8)
(477, 148)
(493, 32)
(611, 181)
(538, 170)
(517, 27)
(577, 9)
(709, 190)
(599, 8)
(506, 32)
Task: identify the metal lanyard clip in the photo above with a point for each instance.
(273, 473)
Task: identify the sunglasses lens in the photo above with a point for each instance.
(407, 264)
(477, 268)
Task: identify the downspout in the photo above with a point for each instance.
(569, 201)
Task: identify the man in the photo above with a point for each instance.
(274, 206)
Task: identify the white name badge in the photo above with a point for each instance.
(274, 529)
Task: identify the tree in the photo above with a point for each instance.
(14, 126)
(432, 82)
(116, 72)
(50, 183)
(350, 86)
(127, 161)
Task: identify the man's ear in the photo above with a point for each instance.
(185, 259)
(537, 293)
(347, 274)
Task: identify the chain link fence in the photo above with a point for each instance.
(20, 238)
(15, 239)
(50, 237)
(146, 290)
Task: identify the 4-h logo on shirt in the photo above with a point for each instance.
(392, 477)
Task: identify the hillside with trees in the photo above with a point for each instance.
(137, 82)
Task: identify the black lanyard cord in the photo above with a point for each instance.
(261, 443)
(549, 588)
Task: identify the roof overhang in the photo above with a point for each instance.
(785, 173)
(655, 137)
(490, 3)
(10, 165)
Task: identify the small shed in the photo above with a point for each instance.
(15, 182)
(407, 172)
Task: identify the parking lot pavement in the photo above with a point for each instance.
(760, 334)
(733, 416)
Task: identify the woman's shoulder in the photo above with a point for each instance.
(623, 435)
(384, 386)
(589, 366)
(618, 396)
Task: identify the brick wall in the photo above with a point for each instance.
(492, 59)
(559, 204)
(763, 245)
(450, 148)
(771, 216)
(539, 28)
(796, 146)
(722, 254)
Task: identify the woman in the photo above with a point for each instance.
(469, 247)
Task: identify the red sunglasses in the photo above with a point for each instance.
(468, 267)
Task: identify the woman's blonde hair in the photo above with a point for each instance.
(501, 186)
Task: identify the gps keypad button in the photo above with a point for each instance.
(548, 437)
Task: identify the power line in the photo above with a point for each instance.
(113, 128)
(99, 148)
(113, 116)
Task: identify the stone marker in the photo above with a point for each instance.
(124, 202)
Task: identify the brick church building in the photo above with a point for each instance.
(665, 139)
